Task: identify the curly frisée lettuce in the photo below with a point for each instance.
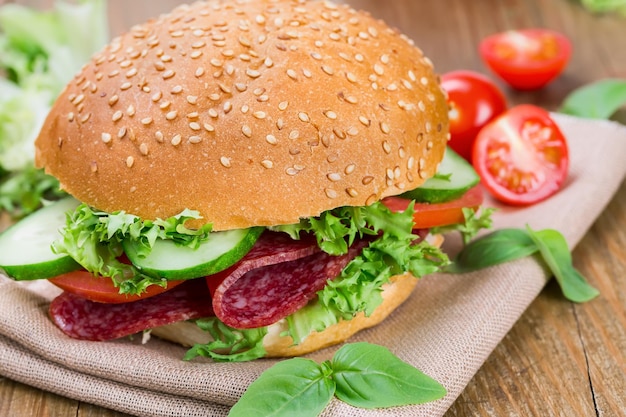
(357, 289)
(40, 51)
(94, 240)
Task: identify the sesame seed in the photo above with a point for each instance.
(121, 133)
(424, 81)
(267, 164)
(212, 113)
(384, 59)
(176, 140)
(193, 115)
(291, 171)
(199, 72)
(246, 130)
(157, 96)
(171, 115)
(164, 105)
(259, 114)
(106, 137)
(421, 105)
(268, 62)
(283, 105)
(351, 99)
(364, 120)
(292, 74)
(410, 163)
(378, 69)
(392, 87)
(195, 139)
(70, 116)
(94, 166)
(196, 54)
(386, 147)
(412, 76)
(117, 116)
(271, 139)
(294, 134)
(245, 108)
(330, 114)
(130, 110)
(158, 135)
(351, 77)
(263, 98)
(146, 121)
(194, 126)
(384, 127)
(328, 70)
(113, 100)
(429, 127)
(352, 192)
(353, 131)
(316, 55)
(228, 106)
(168, 74)
(131, 73)
(333, 176)
(225, 162)
(349, 169)
(143, 148)
(177, 89)
(330, 193)
(130, 161)
(304, 117)
(198, 44)
(407, 85)
(192, 99)
(307, 73)
(208, 127)
(359, 57)
(78, 99)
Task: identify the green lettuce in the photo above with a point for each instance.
(40, 51)
(95, 239)
(359, 286)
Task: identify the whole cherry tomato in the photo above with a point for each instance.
(526, 59)
(474, 101)
(522, 156)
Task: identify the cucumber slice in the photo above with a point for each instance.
(25, 247)
(454, 178)
(220, 251)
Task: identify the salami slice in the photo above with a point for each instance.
(87, 320)
(272, 282)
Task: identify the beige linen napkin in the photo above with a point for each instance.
(447, 328)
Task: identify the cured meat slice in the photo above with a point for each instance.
(88, 320)
(265, 287)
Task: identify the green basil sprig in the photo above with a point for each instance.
(597, 100)
(506, 245)
(361, 374)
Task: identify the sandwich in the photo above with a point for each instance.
(242, 179)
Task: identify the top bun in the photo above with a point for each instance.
(253, 112)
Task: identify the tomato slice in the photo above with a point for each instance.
(430, 215)
(526, 59)
(474, 101)
(522, 157)
(101, 289)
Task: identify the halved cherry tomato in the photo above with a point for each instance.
(526, 59)
(474, 101)
(522, 156)
(101, 289)
(441, 214)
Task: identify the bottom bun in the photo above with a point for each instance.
(394, 293)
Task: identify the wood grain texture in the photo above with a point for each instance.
(560, 359)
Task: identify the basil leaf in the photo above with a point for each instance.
(556, 254)
(501, 246)
(598, 100)
(370, 376)
(295, 387)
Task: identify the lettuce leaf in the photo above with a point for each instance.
(94, 240)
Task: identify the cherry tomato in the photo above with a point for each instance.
(474, 101)
(441, 214)
(522, 156)
(101, 289)
(526, 59)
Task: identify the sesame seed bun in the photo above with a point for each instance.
(253, 113)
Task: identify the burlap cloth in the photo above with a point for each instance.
(447, 328)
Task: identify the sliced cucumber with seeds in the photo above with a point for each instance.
(220, 251)
(25, 247)
(453, 179)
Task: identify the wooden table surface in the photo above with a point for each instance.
(560, 359)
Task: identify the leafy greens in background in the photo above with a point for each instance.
(40, 51)
(598, 100)
(605, 6)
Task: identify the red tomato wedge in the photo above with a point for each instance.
(526, 59)
(522, 156)
(474, 101)
(101, 289)
(441, 214)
